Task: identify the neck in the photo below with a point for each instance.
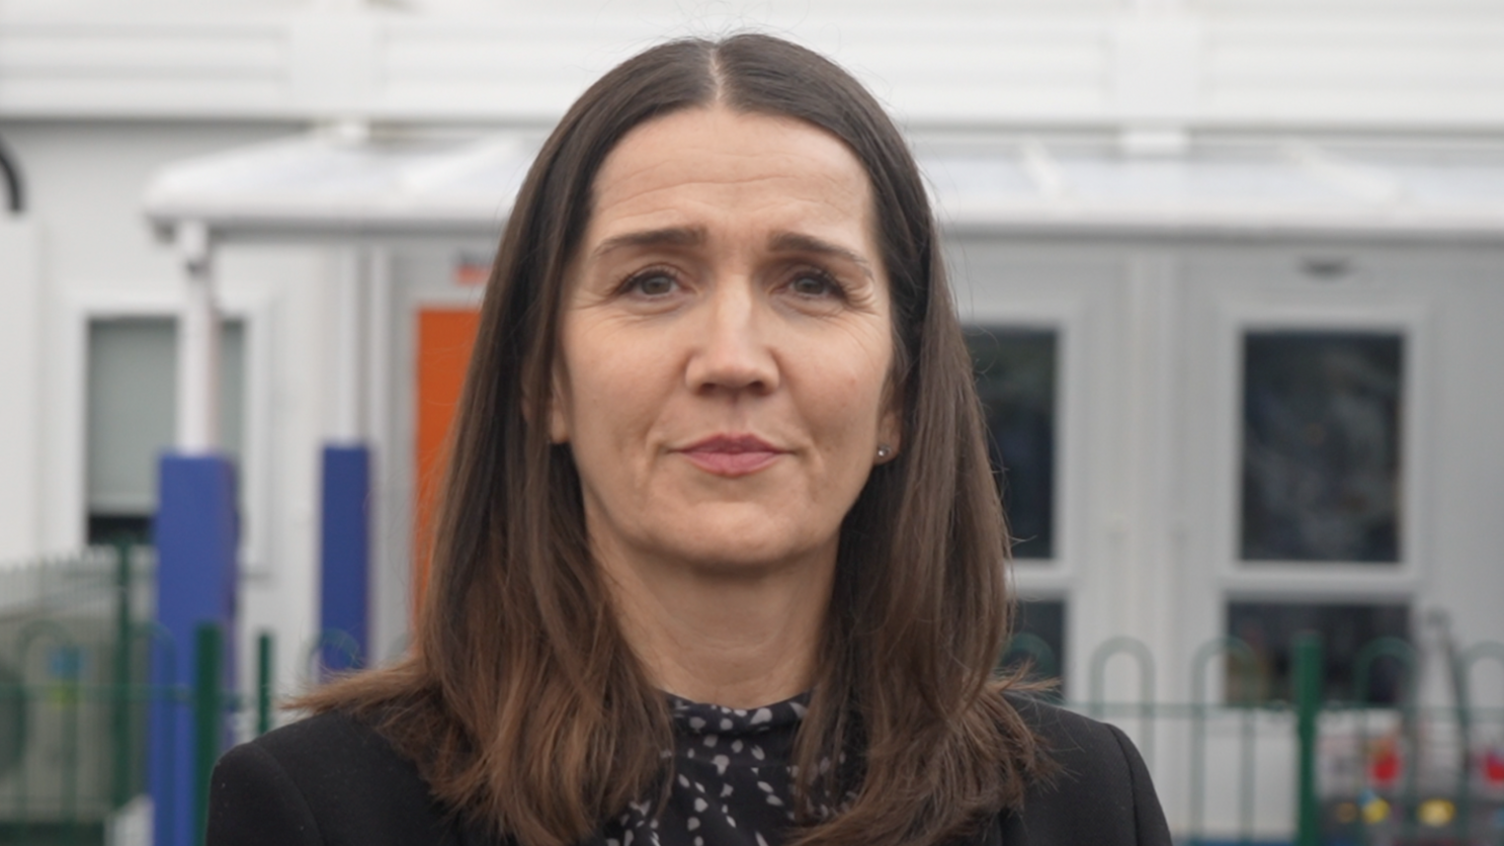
(723, 634)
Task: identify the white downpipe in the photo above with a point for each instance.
(198, 345)
(378, 345)
(349, 353)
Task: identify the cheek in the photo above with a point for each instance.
(613, 388)
(849, 400)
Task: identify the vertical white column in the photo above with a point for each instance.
(1151, 452)
(349, 353)
(390, 576)
(198, 345)
(1128, 583)
(21, 380)
(378, 346)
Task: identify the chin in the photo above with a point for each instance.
(734, 545)
(745, 551)
(743, 538)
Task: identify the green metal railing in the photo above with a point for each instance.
(1315, 726)
(82, 647)
(1307, 709)
(79, 727)
(83, 678)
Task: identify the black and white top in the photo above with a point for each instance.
(732, 780)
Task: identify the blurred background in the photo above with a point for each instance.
(1233, 272)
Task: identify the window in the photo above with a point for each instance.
(1039, 639)
(1321, 446)
(132, 403)
(1016, 380)
(1269, 629)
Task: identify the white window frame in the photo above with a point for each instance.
(394, 397)
(257, 468)
(1413, 320)
(1054, 577)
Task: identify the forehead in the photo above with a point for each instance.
(714, 165)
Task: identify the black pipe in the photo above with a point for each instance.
(13, 190)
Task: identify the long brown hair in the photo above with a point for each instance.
(523, 704)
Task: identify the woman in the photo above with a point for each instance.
(721, 559)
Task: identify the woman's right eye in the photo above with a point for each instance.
(652, 283)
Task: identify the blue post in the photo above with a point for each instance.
(345, 555)
(197, 534)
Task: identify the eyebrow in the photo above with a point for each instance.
(694, 236)
(673, 236)
(795, 242)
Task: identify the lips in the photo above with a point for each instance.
(732, 455)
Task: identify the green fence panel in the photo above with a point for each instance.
(208, 718)
(120, 716)
(264, 684)
(1401, 651)
(1308, 676)
(1218, 736)
(1242, 656)
(1144, 661)
(1467, 659)
(63, 694)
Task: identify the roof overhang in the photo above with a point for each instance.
(327, 188)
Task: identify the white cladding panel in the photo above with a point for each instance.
(962, 63)
(95, 257)
(20, 386)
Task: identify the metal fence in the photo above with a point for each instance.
(1233, 766)
(76, 643)
(74, 646)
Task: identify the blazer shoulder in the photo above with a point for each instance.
(330, 745)
(1099, 789)
(1066, 735)
(329, 777)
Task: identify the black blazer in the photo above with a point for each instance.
(331, 781)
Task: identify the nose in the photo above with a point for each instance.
(733, 351)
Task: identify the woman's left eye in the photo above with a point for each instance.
(810, 284)
(653, 283)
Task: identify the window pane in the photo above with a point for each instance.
(1269, 628)
(1015, 372)
(132, 401)
(1039, 640)
(1321, 446)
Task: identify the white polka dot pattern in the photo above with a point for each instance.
(731, 785)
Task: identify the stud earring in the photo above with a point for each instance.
(883, 451)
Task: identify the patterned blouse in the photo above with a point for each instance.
(732, 782)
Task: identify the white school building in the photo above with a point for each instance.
(1234, 272)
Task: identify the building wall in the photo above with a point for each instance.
(1149, 456)
(94, 257)
(20, 383)
(1212, 64)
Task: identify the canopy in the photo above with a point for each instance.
(324, 187)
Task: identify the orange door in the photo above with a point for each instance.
(445, 337)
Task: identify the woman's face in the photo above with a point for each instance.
(725, 344)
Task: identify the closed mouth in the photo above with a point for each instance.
(732, 455)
